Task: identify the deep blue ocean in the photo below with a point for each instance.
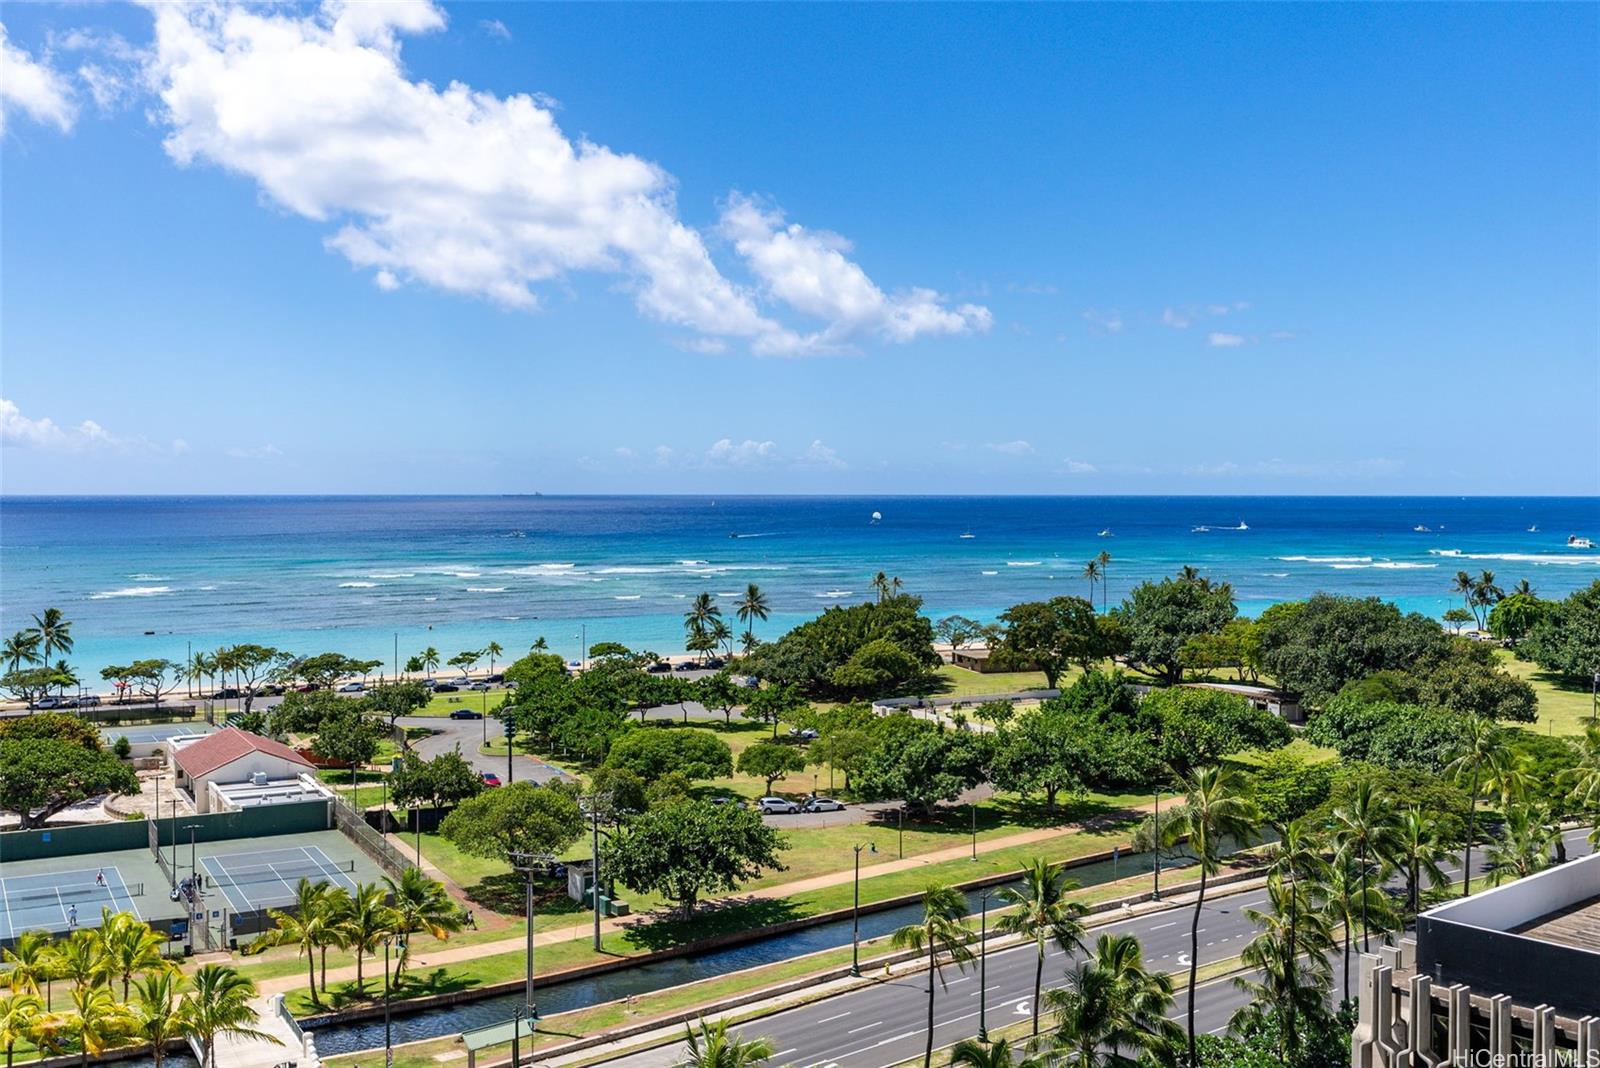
(312, 574)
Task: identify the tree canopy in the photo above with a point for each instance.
(1315, 647)
(688, 849)
(651, 752)
(1159, 618)
(520, 818)
(41, 776)
(1053, 635)
(1566, 638)
(861, 650)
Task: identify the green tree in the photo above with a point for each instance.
(1111, 1003)
(751, 608)
(877, 668)
(650, 752)
(1348, 896)
(686, 849)
(1051, 635)
(844, 748)
(711, 1046)
(1466, 677)
(40, 777)
(1416, 851)
(970, 1053)
(770, 762)
(21, 648)
(420, 905)
(957, 631)
(158, 1011)
(917, 763)
(218, 1004)
(366, 923)
(430, 660)
(1566, 638)
(1042, 913)
(492, 650)
(314, 924)
(1199, 726)
(391, 700)
(52, 632)
(251, 666)
(520, 818)
(1159, 618)
(1289, 960)
(1214, 812)
(1039, 754)
(698, 623)
(1523, 846)
(1316, 646)
(465, 661)
(131, 947)
(1237, 645)
(771, 704)
(348, 737)
(718, 691)
(54, 726)
(940, 930)
(1514, 618)
(20, 1014)
(1457, 618)
(1368, 826)
(1482, 760)
(99, 1020)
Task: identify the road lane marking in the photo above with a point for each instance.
(1161, 926)
(863, 1027)
(830, 1019)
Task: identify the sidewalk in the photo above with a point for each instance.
(447, 954)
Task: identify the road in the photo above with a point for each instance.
(469, 734)
(885, 1023)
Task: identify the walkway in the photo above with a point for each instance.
(286, 1043)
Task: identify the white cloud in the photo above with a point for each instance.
(1218, 340)
(255, 452)
(809, 271)
(386, 281)
(45, 434)
(34, 88)
(1109, 322)
(747, 453)
(623, 452)
(1078, 467)
(1281, 335)
(479, 194)
(1182, 316)
(1011, 448)
(1177, 318)
(494, 28)
(1376, 467)
(820, 455)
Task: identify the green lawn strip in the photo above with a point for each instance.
(959, 682)
(1565, 705)
(443, 704)
(1298, 746)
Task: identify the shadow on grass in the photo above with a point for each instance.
(409, 985)
(667, 930)
(504, 893)
(956, 821)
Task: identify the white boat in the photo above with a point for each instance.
(969, 535)
(1241, 526)
(1574, 541)
(1106, 533)
(1534, 529)
(1420, 529)
(1199, 530)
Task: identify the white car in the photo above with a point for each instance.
(351, 687)
(777, 806)
(822, 804)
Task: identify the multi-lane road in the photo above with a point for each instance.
(884, 1023)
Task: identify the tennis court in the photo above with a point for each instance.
(45, 901)
(267, 879)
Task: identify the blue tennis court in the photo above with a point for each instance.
(46, 901)
(268, 879)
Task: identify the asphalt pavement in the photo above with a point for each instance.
(885, 1023)
(469, 734)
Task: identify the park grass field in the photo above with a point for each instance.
(1565, 707)
(478, 700)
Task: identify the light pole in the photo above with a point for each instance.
(594, 863)
(974, 809)
(1155, 895)
(416, 813)
(855, 912)
(388, 1039)
(173, 875)
(901, 821)
(983, 965)
(528, 864)
(511, 731)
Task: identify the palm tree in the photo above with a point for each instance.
(420, 904)
(1523, 588)
(1291, 955)
(1104, 560)
(710, 1046)
(719, 633)
(53, 632)
(880, 583)
(131, 947)
(1416, 851)
(970, 1053)
(1214, 810)
(539, 645)
(1583, 780)
(99, 1020)
(939, 931)
(158, 1013)
(19, 1014)
(1110, 1002)
(1368, 825)
(1466, 587)
(752, 606)
(21, 648)
(366, 923)
(31, 961)
(218, 1005)
(1296, 861)
(1347, 897)
(430, 660)
(1484, 594)
(698, 620)
(492, 650)
(314, 924)
(1482, 757)
(1091, 571)
(1524, 844)
(81, 957)
(1043, 915)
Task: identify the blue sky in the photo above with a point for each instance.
(682, 248)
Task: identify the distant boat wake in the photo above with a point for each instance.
(767, 535)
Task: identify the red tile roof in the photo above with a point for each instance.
(226, 746)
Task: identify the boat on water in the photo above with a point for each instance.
(1105, 533)
(1534, 529)
(969, 535)
(1199, 530)
(1575, 541)
(1242, 526)
(1420, 529)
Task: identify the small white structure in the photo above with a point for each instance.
(232, 756)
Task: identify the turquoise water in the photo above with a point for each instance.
(361, 574)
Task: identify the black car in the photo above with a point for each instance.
(496, 677)
(465, 713)
(713, 664)
(659, 667)
(445, 687)
(687, 665)
(226, 694)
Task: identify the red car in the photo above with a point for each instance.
(491, 779)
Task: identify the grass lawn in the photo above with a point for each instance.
(477, 700)
(959, 682)
(1564, 706)
(1298, 746)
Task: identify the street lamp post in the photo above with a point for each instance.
(983, 965)
(1155, 894)
(511, 731)
(417, 815)
(388, 1039)
(974, 809)
(528, 864)
(174, 825)
(901, 820)
(855, 912)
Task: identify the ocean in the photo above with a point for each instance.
(160, 576)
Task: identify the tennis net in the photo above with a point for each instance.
(78, 892)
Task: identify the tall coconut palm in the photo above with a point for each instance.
(939, 931)
(1416, 851)
(1482, 757)
(31, 963)
(970, 1053)
(1523, 588)
(492, 650)
(720, 634)
(99, 1020)
(697, 623)
(81, 957)
(19, 1015)
(880, 583)
(53, 632)
(1526, 840)
(752, 607)
(1464, 584)
(1104, 560)
(1583, 779)
(158, 1010)
(218, 1004)
(1091, 571)
(367, 922)
(709, 1045)
(420, 904)
(1042, 915)
(1367, 823)
(21, 648)
(1290, 957)
(131, 947)
(430, 660)
(1485, 594)
(1213, 812)
(1296, 861)
(1346, 897)
(1110, 1004)
(312, 925)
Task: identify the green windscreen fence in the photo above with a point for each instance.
(300, 817)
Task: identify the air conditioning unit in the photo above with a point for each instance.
(258, 778)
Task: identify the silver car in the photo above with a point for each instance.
(777, 806)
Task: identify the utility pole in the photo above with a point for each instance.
(511, 732)
(983, 966)
(529, 864)
(855, 912)
(1156, 894)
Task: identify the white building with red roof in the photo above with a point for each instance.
(258, 770)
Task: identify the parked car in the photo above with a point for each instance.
(686, 665)
(304, 687)
(496, 677)
(491, 779)
(803, 733)
(227, 693)
(822, 804)
(89, 700)
(713, 664)
(481, 684)
(274, 690)
(428, 684)
(465, 713)
(728, 799)
(49, 702)
(659, 667)
(352, 687)
(777, 806)
(446, 687)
